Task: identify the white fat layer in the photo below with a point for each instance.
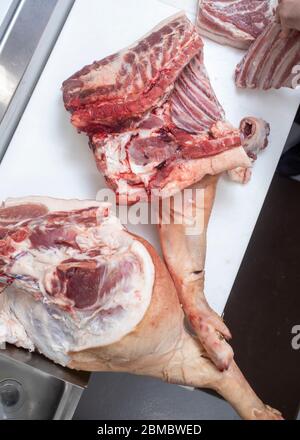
(134, 192)
(32, 319)
(11, 330)
(40, 263)
(56, 204)
(114, 150)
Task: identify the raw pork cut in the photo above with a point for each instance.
(152, 133)
(272, 61)
(87, 294)
(155, 148)
(74, 257)
(184, 253)
(236, 23)
(255, 133)
(119, 89)
(176, 145)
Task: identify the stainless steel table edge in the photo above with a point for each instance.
(33, 63)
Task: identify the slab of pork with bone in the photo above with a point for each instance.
(235, 23)
(77, 287)
(156, 127)
(273, 58)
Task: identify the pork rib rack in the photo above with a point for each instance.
(77, 287)
(121, 88)
(149, 147)
(235, 23)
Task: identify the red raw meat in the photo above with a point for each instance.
(125, 85)
(175, 146)
(236, 23)
(154, 144)
(271, 62)
(117, 310)
(33, 228)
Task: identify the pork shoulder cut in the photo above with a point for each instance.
(77, 287)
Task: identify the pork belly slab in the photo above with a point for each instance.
(156, 127)
(235, 23)
(272, 61)
(77, 287)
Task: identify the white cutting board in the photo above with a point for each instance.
(47, 157)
